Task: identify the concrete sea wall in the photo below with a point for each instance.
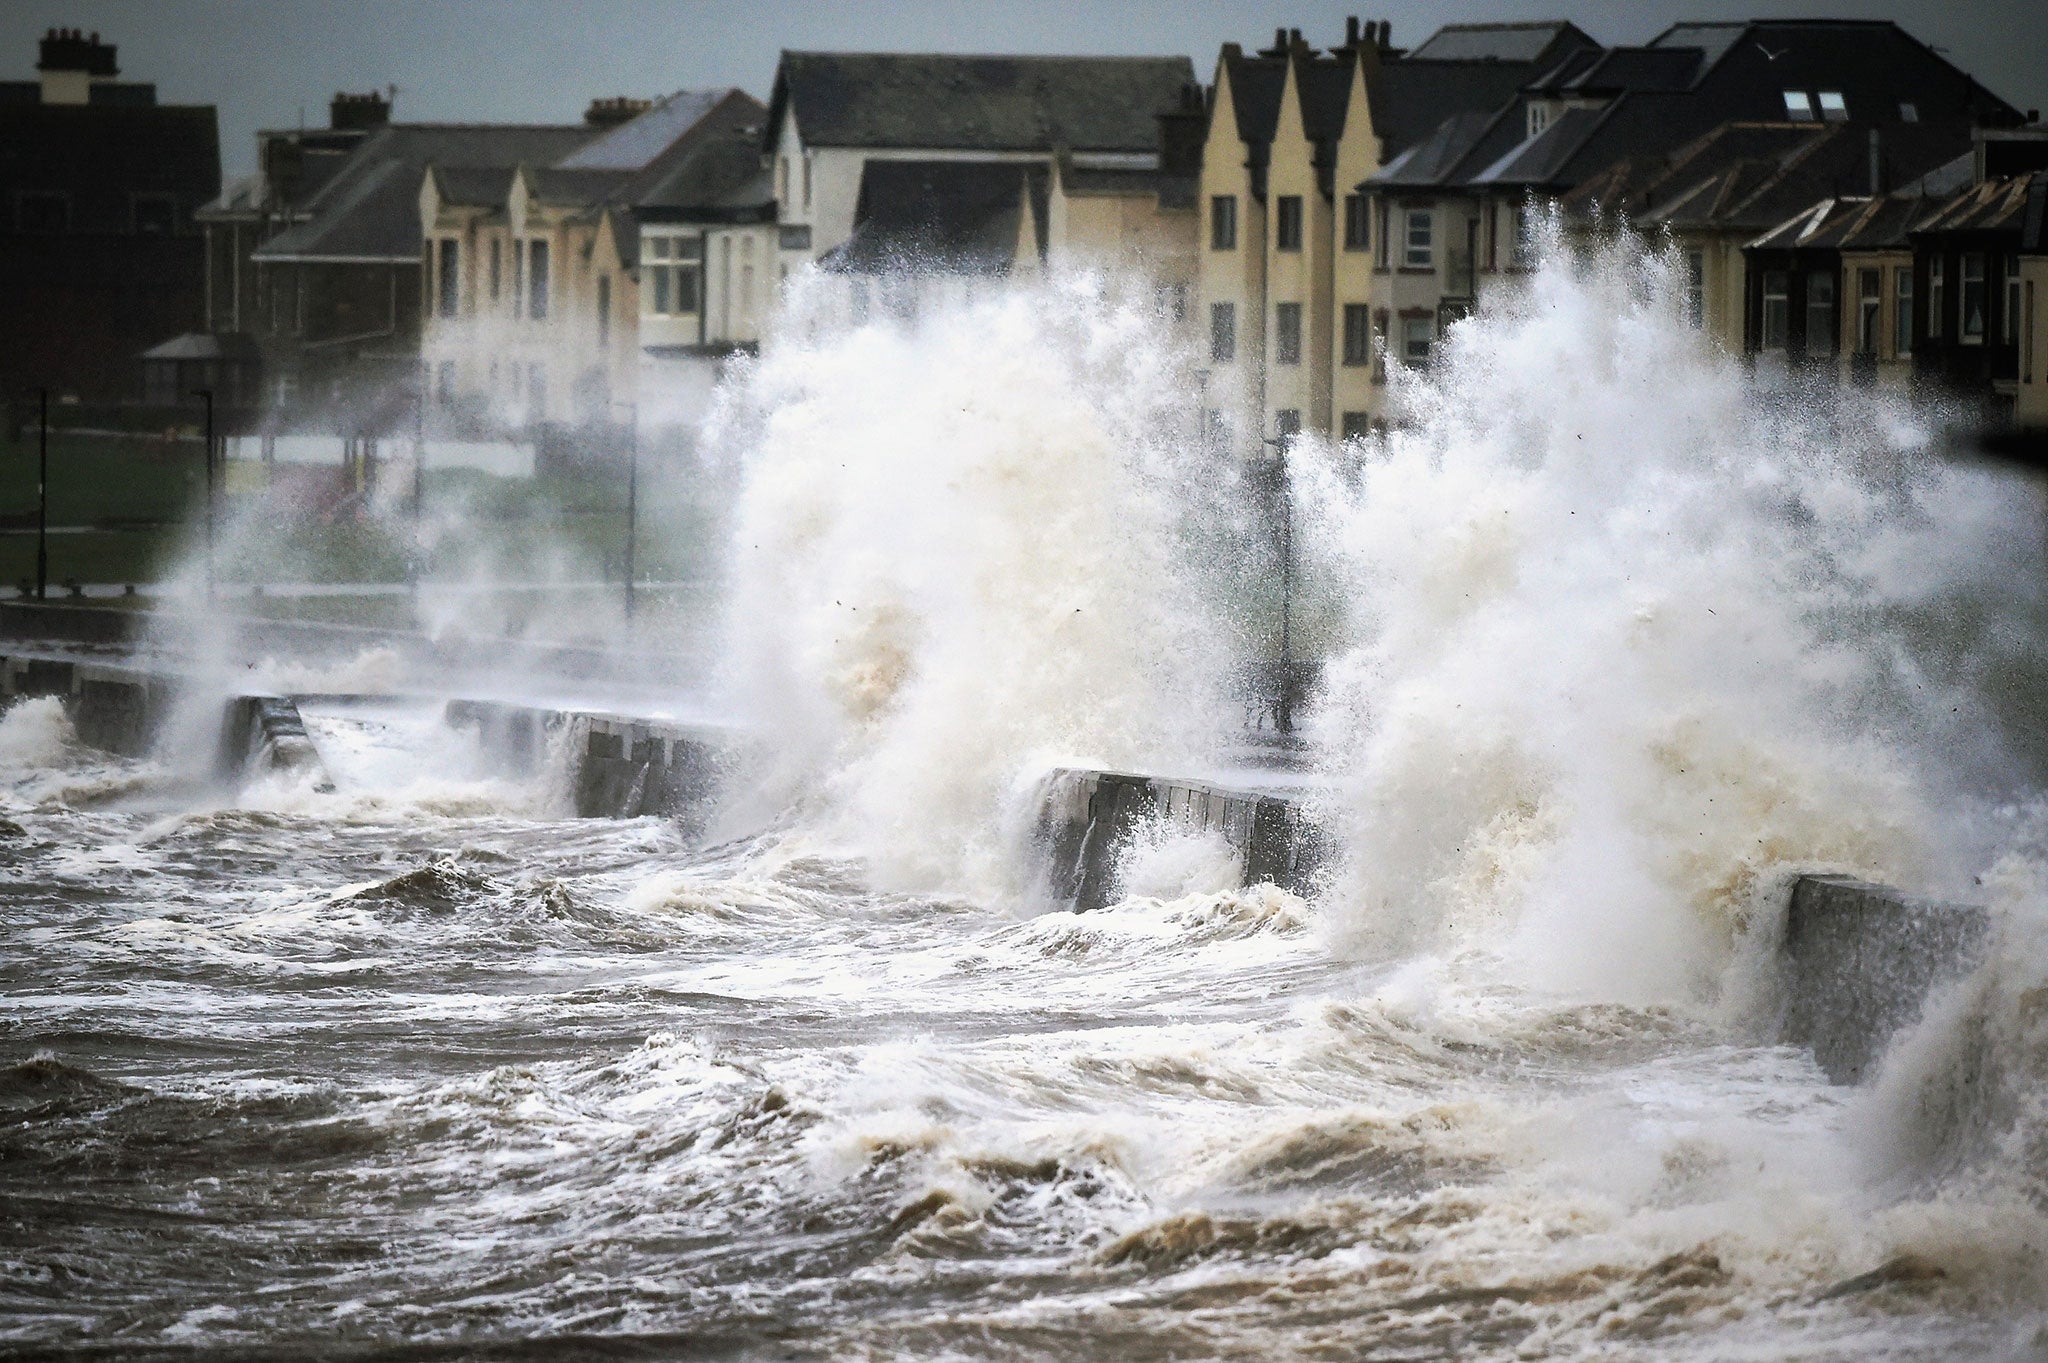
(1860, 962)
(267, 734)
(113, 708)
(32, 625)
(1087, 818)
(123, 710)
(616, 766)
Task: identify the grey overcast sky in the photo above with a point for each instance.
(268, 63)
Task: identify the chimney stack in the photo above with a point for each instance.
(358, 113)
(71, 63)
(1181, 132)
(610, 113)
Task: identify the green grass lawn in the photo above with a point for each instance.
(138, 503)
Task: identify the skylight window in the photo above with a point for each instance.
(1798, 107)
(1908, 113)
(1832, 106)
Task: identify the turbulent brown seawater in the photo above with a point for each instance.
(420, 1070)
(1613, 647)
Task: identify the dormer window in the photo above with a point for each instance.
(1798, 107)
(1832, 106)
(1539, 118)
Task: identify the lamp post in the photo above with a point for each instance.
(1283, 701)
(43, 500)
(416, 563)
(206, 394)
(632, 492)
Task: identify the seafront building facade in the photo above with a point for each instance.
(554, 292)
(100, 256)
(1308, 218)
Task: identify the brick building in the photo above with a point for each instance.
(99, 256)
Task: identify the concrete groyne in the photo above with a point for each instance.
(1861, 961)
(266, 734)
(113, 708)
(123, 710)
(75, 627)
(1088, 818)
(616, 766)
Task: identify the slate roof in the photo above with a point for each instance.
(715, 171)
(1427, 161)
(959, 217)
(571, 188)
(636, 143)
(474, 186)
(1753, 176)
(1635, 68)
(1414, 96)
(1428, 110)
(1257, 85)
(1994, 206)
(1081, 180)
(315, 156)
(2016, 205)
(1852, 224)
(971, 103)
(206, 345)
(1713, 39)
(369, 209)
(1739, 72)
(1451, 114)
(1521, 43)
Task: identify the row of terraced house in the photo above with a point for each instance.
(1839, 200)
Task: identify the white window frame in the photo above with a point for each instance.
(1413, 328)
(1422, 257)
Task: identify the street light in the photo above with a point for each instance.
(632, 492)
(43, 501)
(207, 395)
(416, 560)
(1283, 702)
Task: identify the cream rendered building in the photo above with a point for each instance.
(2030, 393)
(1304, 289)
(1138, 226)
(609, 286)
(1231, 297)
(528, 298)
(832, 114)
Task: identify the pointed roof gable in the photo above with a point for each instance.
(955, 217)
(977, 103)
(369, 209)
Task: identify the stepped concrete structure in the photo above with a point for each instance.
(1860, 961)
(123, 709)
(1089, 817)
(617, 766)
